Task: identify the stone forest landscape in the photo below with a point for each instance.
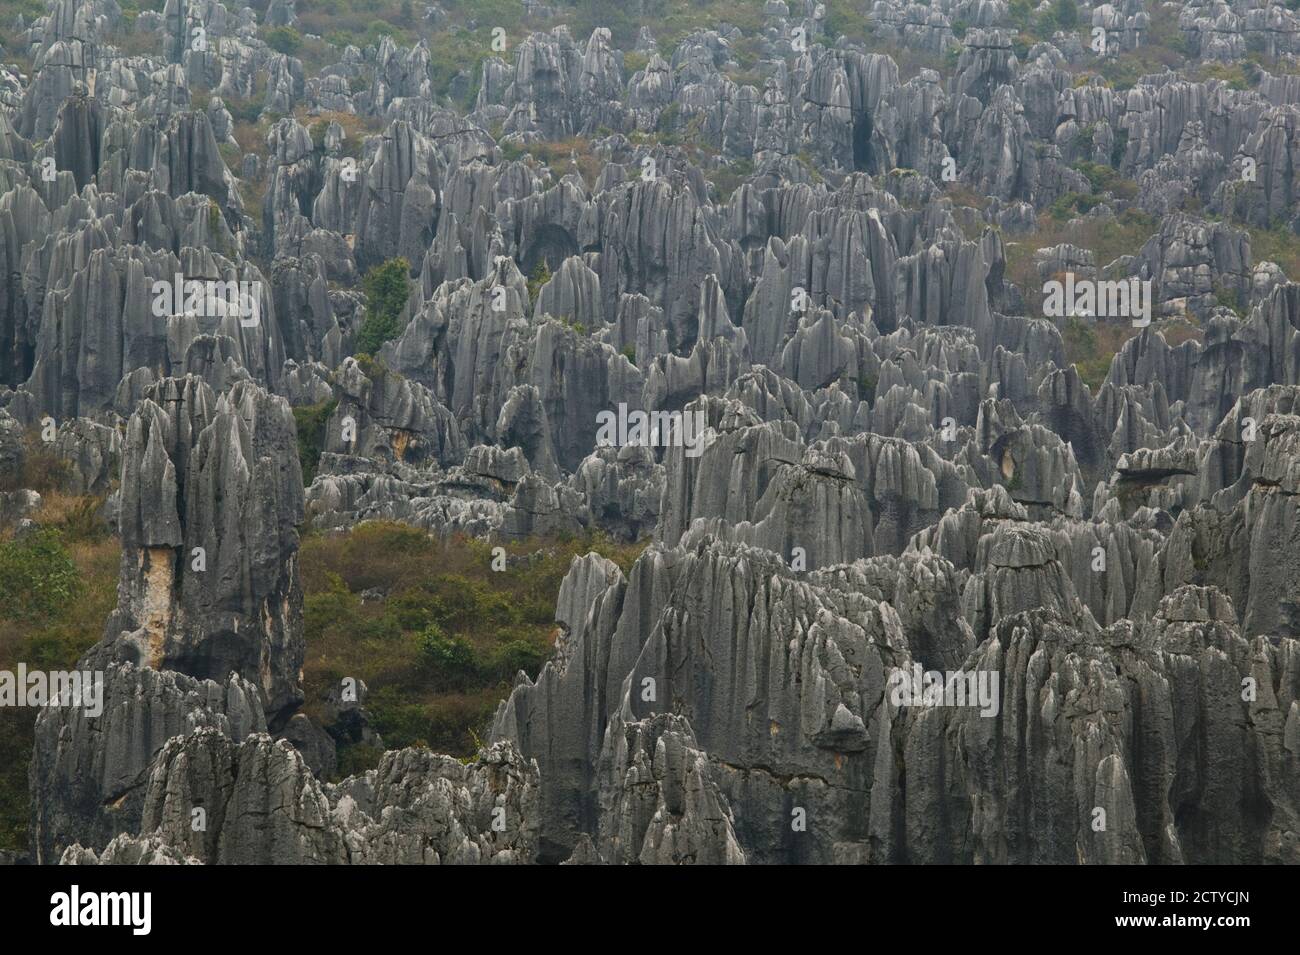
(859, 432)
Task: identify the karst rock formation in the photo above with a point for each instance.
(888, 461)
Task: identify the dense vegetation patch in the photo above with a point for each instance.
(310, 421)
(59, 585)
(386, 287)
(433, 630)
(436, 634)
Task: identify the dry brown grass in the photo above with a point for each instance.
(42, 470)
(79, 517)
(252, 137)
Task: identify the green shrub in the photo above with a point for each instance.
(1088, 352)
(285, 40)
(246, 110)
(469, 603)
(449, 660)
(1119, 147)
(16, 741)
(378, 29)
(541, 275)
(387, 287)
(382, 628)
(317, 131)
(399, 720)
(620, 19)
(1072, 204)
(668, 118)
(1065, 14)
(457, 723)
(356, 759)
(1022, 14)
(509, 658)
(867, 388)
(38, 579)
(727, 179)
(416, 609)
(1227, 297)
(634, 62)
(311, 421)
(336, 605)
(848, 19)
(1083, 140)
(1105, 179)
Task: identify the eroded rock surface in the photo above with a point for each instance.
(769, 305)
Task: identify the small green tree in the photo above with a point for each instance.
(1022, 13)
(38, 578)
(541, 275)
(387, 287)
(450, 660)
(311, 421)
(1066, 14)
(285, 40)
(515, 655)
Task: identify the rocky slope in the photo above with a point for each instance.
(772, 296)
